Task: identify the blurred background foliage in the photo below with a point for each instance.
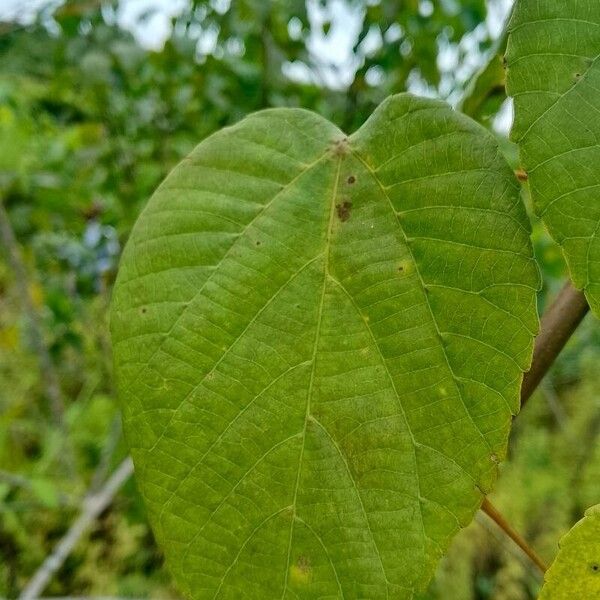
(92, 117)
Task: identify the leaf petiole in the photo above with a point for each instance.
(492, 512)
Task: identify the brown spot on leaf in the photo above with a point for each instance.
(304, 564)
(340, 147)
(522, 175)
(351, 179)
(144, 310)
(301, 571)
(343, 210)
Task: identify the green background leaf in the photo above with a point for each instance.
(553, 60)
(486, 91)
(319, 344)
(576, 571)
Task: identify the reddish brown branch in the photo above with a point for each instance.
(557, 326)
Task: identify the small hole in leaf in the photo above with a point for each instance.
(351, 179)
(258, 242)
(595, 568)
(144, 310)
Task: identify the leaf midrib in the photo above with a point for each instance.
(312, 371)
(309, 417)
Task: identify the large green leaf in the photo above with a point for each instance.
(575, 574)
(553, 60)
(319, 344)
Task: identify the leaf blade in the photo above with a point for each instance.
(298, 425)
(553, 60)
(575, 572)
